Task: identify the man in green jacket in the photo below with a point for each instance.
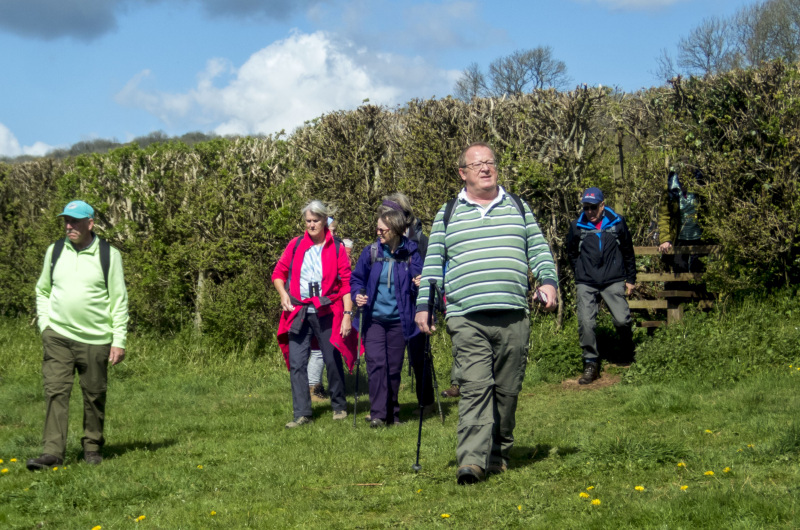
(82, 304)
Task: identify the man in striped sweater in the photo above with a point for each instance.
(481, 256)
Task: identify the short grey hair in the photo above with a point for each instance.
(317, 208)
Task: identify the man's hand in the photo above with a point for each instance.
(361, 300)
(422, 322)
(665, 247)
(116, 355)
(550, 295)
(629, 288)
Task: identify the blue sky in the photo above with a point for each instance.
(83, 69)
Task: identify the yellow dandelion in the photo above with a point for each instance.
(798, 367)
(684, 488)
(750, 446)
(140, 518)
(419, 490)
(445, 516)
(1, 460)
(639, 488)
(98, 527)
(55, 468)
(590, 488)
(4, 470)
(213, 512)
(726, 470)
(681, 464)
(583, 495)
(709, 431)
(13, 460)
(200, 466)
(519, 508)
(596, 502)
(739, 450)
(709, 473)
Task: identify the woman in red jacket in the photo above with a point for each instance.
(316, 302)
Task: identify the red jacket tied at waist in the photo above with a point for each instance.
(333, 287)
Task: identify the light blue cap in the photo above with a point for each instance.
(78, 210)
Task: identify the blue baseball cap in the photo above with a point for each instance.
(78, 210)
(592, 196)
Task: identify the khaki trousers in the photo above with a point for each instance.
(62, 357)
(490, 354)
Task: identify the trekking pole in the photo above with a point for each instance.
(425, 361)
(358, 356)
(433, 294)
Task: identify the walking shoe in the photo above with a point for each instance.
(318, 393)
(302, 420)
(377, 423)
(469, 474)
(368, 418)
(339, 414)
(92, 458)
(427, 410)
(591, 371)
(453, 391)
(44, 462)
(496, 469)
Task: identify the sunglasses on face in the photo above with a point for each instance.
(590, 207)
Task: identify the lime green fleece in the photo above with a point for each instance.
(77, 305)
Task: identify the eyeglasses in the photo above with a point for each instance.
(382, 231)
(590, 207)
(475, 166)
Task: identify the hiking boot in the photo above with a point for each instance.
(302, 420)
(377, 423)
(318, 393)
(368, 418)
(591, 371)
(44, 462)
(339, 414)
(453, 391)
(427, 410)
(496, 469)
(92, 458)
(469, 474)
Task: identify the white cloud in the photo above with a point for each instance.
(287, 83)
(9, 145)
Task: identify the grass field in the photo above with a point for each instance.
(195, 444)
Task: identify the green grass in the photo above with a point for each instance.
(187, 437)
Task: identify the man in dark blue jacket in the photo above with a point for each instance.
(600, 250)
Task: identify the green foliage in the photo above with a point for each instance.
(725, 345)
(201, 226)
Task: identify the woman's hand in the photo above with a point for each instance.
(286, 302)
(347, 325)
(361, 300)
(665, 247)
(417, 279)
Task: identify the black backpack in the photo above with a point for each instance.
(105, 257)
(450, 207)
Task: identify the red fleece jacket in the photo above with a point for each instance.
(334, 287)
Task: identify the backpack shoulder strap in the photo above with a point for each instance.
(448, 211)
(58, 246)
(373, 253)
(105, 258)
(518, 203)
(291, 260)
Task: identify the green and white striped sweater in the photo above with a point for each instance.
(487, 266)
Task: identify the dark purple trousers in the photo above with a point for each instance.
(384, 346)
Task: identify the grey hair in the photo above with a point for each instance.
(317, 208)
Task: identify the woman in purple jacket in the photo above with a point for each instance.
(386, 270)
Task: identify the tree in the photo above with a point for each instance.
(518, 73)
(709, 48)
(471, 84)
